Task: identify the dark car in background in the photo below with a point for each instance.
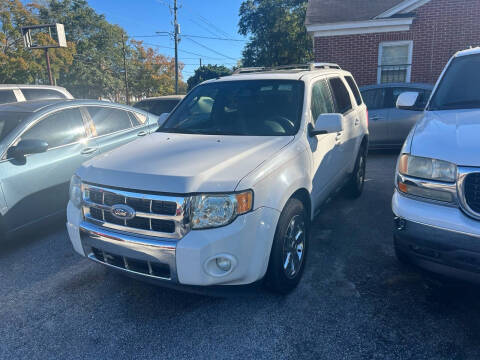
(42, 143)
(159, 105)
(17, 93)
(389, 126)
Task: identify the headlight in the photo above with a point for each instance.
(214, 210)
(428, 178)
(76, 190)
(426, 168)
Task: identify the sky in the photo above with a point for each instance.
(206, 18)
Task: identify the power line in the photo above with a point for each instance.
(212, 50)
(214, 38)
(218, 30)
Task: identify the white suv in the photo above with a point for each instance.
(224, 192)
(437, 196)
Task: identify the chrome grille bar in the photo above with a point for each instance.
(155, 215)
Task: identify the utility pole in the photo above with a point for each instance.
(49, 69)
(125, 70)
(175, 25)
(200, 62)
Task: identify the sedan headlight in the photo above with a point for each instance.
(215, 210)
(428, 178)
(76, 190)
(426, 168)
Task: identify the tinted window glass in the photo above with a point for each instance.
(7, 96)
(61, 128)
(354, 88)
(108, 120)
(9, 121)
(460, 86)
(341, 95)
(249, 107)
(322, 102)
(422, 99)
(42, 94)
(157, 106)
(374, 98)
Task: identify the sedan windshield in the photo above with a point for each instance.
(9, 121)
(248, 107)
(460, 86)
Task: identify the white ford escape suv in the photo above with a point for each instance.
(224, 192)
(437, 196)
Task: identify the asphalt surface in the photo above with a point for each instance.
(355, 301)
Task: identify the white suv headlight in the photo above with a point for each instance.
(76, 191)
(215, 210)
(426, 168)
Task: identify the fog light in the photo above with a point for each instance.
(224, 264)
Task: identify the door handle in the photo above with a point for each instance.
(357, 122)
(375, 118)
(338, 136)
(89, 150)
(142, 133)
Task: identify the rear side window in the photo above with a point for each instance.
(61, 128)
(354, 88)
(374, 98)
(322, 102)
(7, 96)
(109, 120)
(341, 95)
(42, 94)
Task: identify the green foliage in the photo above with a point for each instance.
(92, 65)
(277, 32)
(207, 72)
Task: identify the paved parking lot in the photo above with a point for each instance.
(355, 301)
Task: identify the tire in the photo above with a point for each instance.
(355, 184)
(288, 256)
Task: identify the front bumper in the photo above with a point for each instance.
(188, 261)
(437, 238)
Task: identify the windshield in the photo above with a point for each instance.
(249, 108)
(9, 121)
(460, 86)
(157, 106)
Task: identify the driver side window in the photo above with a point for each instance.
(321, 102)
(60, 128)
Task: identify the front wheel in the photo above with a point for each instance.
(289, 249)
(357, 180)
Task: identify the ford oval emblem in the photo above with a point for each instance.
(123, 212)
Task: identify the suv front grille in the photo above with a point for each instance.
(153, 215)
(472, 191)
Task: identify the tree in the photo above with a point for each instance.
(277, 32)
(206, 72)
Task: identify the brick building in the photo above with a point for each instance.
(392, 40)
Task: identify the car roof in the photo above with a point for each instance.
(165, 97)
(25, 86)
(390, 85)
(35, 106)
(471, 51)
(280, 75)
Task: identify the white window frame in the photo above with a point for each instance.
(395, 43)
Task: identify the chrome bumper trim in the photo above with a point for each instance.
(147, 249)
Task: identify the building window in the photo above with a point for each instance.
(394, 62)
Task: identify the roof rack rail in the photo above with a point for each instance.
(297, 67)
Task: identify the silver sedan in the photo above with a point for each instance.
(388, 125)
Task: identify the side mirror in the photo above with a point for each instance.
(407, 100)
(327, 123)
(161, 119)
(28, 146)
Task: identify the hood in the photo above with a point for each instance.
(182, 163)
(452, 135)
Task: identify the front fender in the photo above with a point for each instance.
(276, 180)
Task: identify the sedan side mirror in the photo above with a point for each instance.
(27, 146)
(327, 123)
(407, 100)
(161, 119)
